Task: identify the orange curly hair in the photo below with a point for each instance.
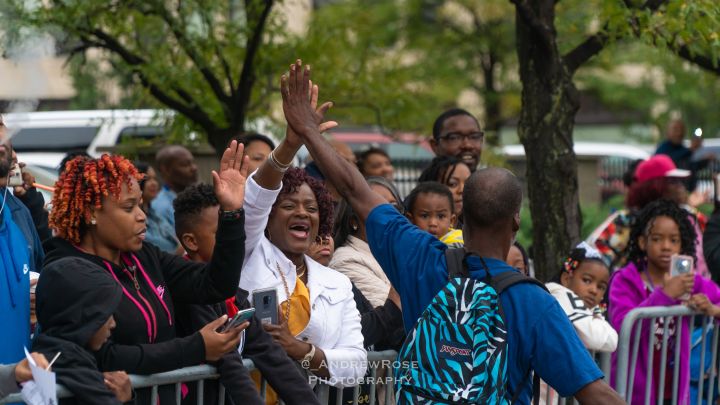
(81, 186)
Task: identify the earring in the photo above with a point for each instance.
(354, 227)
(93, 221)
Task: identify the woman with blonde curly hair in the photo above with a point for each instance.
(97, 216)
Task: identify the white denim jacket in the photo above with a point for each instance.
(334, 324)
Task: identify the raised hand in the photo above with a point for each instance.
(300, 102)
(292, 137)
(230, 181)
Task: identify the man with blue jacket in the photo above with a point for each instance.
(20, 253)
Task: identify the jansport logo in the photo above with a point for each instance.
(455, 351)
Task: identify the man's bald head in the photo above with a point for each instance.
(491, 196)
(177, 167)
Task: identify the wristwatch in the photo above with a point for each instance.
(231, 215)
(310, 355)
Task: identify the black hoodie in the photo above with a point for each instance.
(74, 299)
(145, 339)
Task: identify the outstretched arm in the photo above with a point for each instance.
(303, 119)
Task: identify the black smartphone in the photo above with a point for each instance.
(265, 302)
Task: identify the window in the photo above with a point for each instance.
(140, 132)
(53, 139)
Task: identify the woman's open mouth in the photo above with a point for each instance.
(300, 230)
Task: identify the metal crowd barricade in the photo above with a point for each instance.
(204, 372)
(629, 348)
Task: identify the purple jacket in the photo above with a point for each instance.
(627, 292)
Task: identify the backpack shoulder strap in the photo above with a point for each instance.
(455, 263)
(507, 279)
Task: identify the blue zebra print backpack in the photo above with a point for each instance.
(457, 351)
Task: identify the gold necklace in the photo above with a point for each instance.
(287, 293)
(304, 269)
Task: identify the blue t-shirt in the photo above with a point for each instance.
(540, 335)
(163, 205)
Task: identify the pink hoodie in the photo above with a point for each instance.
(627, 292)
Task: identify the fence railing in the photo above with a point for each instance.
(204, 373)
(671, 348)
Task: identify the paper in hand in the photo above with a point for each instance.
(42, 389)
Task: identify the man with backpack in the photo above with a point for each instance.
(480, 333)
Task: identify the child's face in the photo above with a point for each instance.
(200, 242)
(102, 335)
(515, 259)
(432, 213)
(322, 249)
(661, 242)
(589, 281)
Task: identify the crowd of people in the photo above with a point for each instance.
(139, 276)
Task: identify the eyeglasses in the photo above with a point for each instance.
(454, 137)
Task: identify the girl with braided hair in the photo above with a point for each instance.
(580, 287)
(97, 216)
(662, 229)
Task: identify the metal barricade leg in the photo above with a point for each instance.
(676, 365)
(649, 370)
(663, 360)
(713, 369)
(373, 388)
(702, 360)
(629, 378)
(201, 392)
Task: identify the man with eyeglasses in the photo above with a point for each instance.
(457, 133)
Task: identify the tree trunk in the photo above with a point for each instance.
(219, 139)
(549, 104)
(491, 98)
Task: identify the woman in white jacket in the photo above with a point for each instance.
(285, 209)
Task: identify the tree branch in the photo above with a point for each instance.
(218, 53)
(701, 61)
(247, 76)
(586, 50)
(191, 109)
(189, 48)
(529, 16)
(595, 43)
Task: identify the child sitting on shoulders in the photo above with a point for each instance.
(430, 207)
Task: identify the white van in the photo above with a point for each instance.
(43, 138)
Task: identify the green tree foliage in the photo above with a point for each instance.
(209, 61)
(549, 58)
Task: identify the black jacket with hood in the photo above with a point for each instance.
(145, 339)
(74, 299)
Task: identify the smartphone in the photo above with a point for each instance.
(15, 179)
(238, 319)
(680, 264)
(266, 305)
